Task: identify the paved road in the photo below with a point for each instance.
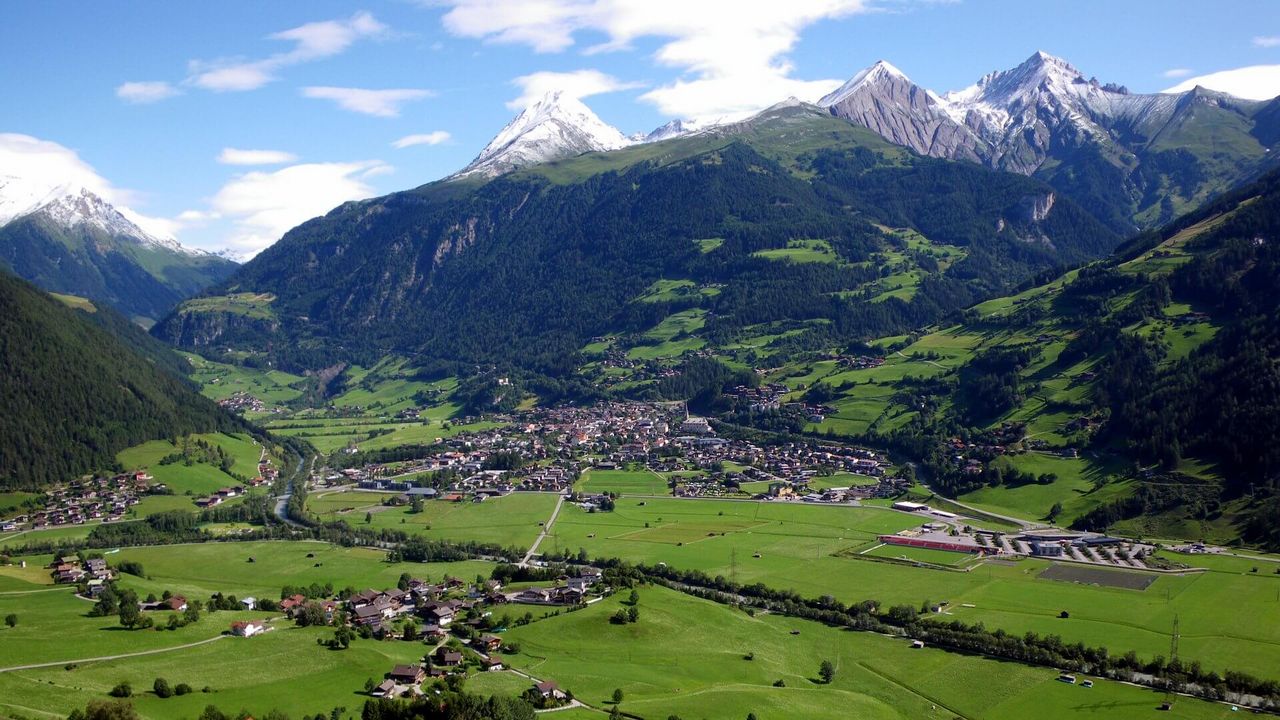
(546, 528)
(157, 651)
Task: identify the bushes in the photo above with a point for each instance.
(121, 690)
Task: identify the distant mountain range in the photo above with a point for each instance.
(1133, 160)
(523, 269)
(69, 240)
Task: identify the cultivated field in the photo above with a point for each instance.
(627, 482)
(510, 521)
(813, 550)
(687, 657)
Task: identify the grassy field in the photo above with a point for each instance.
(11, 502)
(252, 305)
(391, 386)
(75, 301)
(221, 380)
(283, 669)
(512, 520)
(198, 478)
(627, 482)
(53, 534)
(813, 550)
(802, 251)
(686, 657)
(1082, 484)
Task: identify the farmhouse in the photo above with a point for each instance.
(386, 689)
(548, 689)
(407, 674)
(367, 615)
(248, 628)
(448, 658)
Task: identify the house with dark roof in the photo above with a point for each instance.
(407, 674)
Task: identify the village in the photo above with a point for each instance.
(108, 498)
(548, 450)
(94, 498)
(457, 621)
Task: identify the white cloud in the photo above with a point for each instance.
(235, 156)
(1176, 72)
(312, 41)
(39, 166)
(733, 52)
(379, 103)
(1267, 41)
(578, 84)
(145, 92)
(1256, 82)
(264, 205)
(435, 137)
(32, 169)
(194, 217)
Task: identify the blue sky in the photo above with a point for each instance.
(148, 96)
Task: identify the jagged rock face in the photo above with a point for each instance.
(1045, 118)
(882, 99)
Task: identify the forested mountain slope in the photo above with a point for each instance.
(1149, 378)
(525, 269)
(77, 243)
(74, 393)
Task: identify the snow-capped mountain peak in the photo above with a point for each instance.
(74, 206)
(881, 71)
(1041, 73)
(555, 126)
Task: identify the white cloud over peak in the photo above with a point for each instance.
(435, 137)
(1256, 82)
(1176, 72)
(145, 92)
(312, 41)
(43, 165)
(236, 156)
(578, 84)
(733, 52)
(379, 103)
(264, 205)
(33, 171)
(1267, 41)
